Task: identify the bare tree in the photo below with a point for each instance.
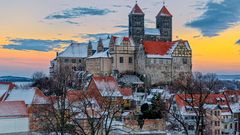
(194, 90)
(56, 116)
(78, 111)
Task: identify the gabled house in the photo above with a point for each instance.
(127, 97)
(14, 117)
(104, 89)
(34, 100)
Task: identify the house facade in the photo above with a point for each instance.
(218, 116)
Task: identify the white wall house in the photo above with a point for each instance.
(13, 117)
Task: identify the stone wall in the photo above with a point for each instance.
(99, 66)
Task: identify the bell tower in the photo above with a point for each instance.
(164, 23)
(136, 24)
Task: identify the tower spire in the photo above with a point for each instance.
(163, 2)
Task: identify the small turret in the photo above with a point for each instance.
(89, 48)
(100, 47)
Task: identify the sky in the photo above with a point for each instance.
(32, 31)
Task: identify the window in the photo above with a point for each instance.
(217, 123)
(217, 113)
(231, 126)
(73, 60)
(184, 61)
(225, 126)
(121, 60)
(80, 61)
(66, 60)
(191, 127)
(130, 60)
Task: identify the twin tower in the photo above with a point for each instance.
(163, 24)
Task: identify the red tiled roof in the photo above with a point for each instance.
(209, 99)
(105, 79)
(126, 91)
(164, 12)
(75, 95)
(125, 38)
(157, 47)
(40, 98)
(13, 109)
(107, 85)
(136, 10)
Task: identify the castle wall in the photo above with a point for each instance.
(181, 65)
(99, 66)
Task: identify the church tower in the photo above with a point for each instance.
(164, 24)
(136, 24)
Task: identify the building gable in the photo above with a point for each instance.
(182, 49)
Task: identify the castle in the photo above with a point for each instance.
(146, 51)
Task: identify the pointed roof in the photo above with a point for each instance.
(164, 12)
(136, 10)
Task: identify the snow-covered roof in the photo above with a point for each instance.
(210, 106)
(2, 92)
(152, 31)
(118, 41)
(107, 86)
(130, 79)
(13, 109)
(105, 41)
(104, 54)
(226, 113)
(4, 86)
(159, 56)
(125, 114)
(235, 107)
(76, 50)
(29, 96)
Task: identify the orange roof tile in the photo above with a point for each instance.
(157, 47)
(126, 91)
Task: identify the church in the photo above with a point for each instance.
(150, 52)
